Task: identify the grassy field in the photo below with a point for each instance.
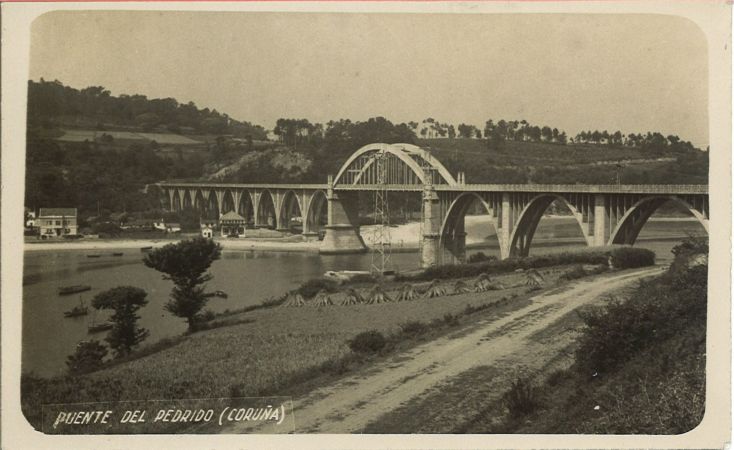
(270, 352)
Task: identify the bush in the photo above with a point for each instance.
(630, 258)
(413, 327)
(512, 264)
(573, 274)
(451, 319)
(481, 257)
(88, 357)
(368, 342)
(522, 398)
(310, 288)
(656, 311)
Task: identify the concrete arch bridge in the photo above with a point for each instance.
(606, 214)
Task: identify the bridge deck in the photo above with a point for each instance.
(549, 188)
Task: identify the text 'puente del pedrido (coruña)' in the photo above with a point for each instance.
(607, 214)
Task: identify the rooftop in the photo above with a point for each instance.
(57, 212)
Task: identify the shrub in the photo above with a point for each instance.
(630, 258)
(481, 257)
(656, 311)
(367, 342)
(310, 288)
(573, 274)
(522, 398)
(88, 357)
(205, 316)
(451, 319)
(512, 264)
(413, 327)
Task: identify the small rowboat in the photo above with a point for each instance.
(146, 249)
(117, 254)
(67, 290)
(76, 311)
(96, 328)
(93, 256)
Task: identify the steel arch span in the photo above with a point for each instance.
(406, 164)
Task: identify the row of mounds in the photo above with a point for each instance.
(379, 294)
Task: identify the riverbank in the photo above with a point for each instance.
(291, 351)
(403, 238)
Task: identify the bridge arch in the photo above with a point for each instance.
(315, 212)
(290, 202)
(245, 206)
(267, 214)
(187, 201)
(630, 224)
(176, 206)
(452, 237)
(228, 202)
(406, 164)
(529, 218)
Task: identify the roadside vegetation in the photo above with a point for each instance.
(639, 365)
(281, 349)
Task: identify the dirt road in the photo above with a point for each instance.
(349, 405)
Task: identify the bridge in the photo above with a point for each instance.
(606, 214)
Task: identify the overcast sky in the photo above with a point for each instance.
(574, 72)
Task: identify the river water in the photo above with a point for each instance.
(248, 277)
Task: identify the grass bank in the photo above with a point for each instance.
(639, 367)
(286, 351)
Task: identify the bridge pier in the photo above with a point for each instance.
(431, 228)
(342, 235)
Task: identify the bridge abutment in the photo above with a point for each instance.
(342, 228)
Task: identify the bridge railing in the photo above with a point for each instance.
(550, 188)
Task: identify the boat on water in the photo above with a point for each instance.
(220, 294)
(97, 327)
(146, 249)
(77, 311)
(93, 256)
(117, 254)
(67, 290)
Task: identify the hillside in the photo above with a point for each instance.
(89, 149)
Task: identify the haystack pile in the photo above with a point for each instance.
(407, 293)
(294, 299)
(377, 295)
(434, 290)
(352, 297)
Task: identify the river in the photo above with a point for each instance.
(248, 277)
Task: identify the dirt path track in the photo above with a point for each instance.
(355, 401)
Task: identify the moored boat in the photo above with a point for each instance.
(76, 311)
(67, 290)
(117, 254)
(146, 249)
(93, 256)
(96, 328)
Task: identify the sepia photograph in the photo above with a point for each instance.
(342, 221)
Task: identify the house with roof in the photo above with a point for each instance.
(232, 224)
(207, 227)
(57, 222)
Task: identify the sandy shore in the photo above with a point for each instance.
(227, 244)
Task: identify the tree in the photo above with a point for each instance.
(125, 301)
(87, 357)
(186, 264)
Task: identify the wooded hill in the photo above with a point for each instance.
(107, 170)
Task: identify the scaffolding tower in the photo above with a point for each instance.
(381, 233)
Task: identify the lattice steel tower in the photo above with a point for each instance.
(381, 234)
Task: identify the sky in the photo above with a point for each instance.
(633, 73)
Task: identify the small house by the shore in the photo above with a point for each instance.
(56, 222)
(207, 227)
(232, 224)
